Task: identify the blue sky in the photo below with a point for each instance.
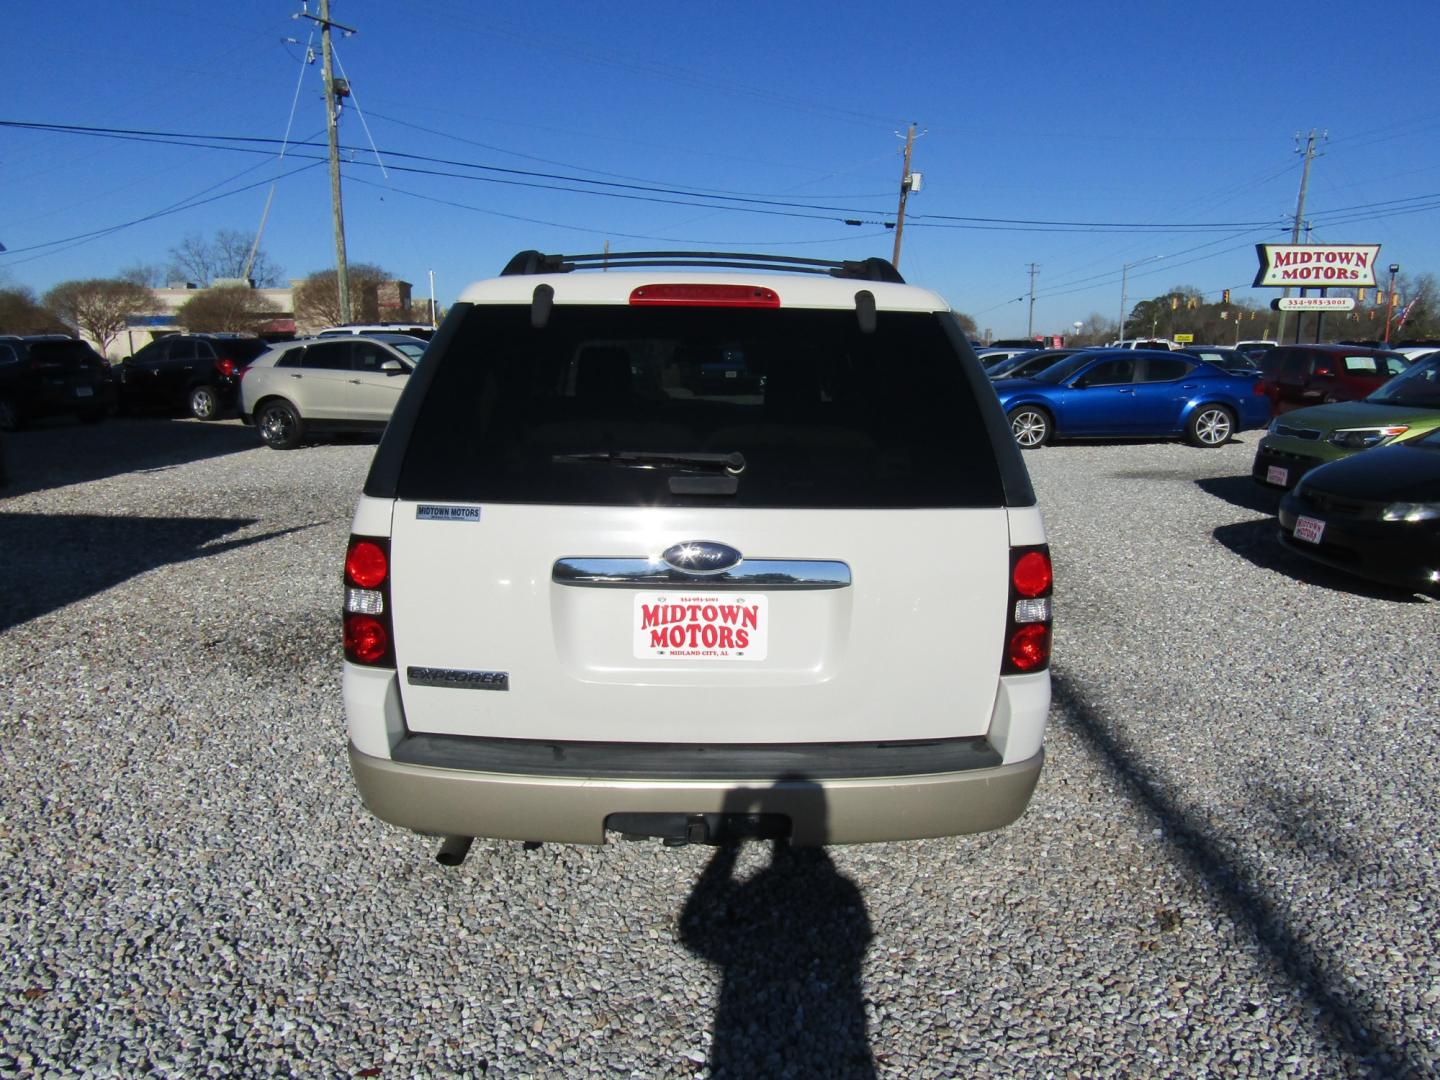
(1174, 122)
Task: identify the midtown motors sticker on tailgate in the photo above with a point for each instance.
(701, 626)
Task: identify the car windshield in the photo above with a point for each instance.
(1418, 386)
(1010, 363)
(1065, 368)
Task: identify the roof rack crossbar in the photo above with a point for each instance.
(535, 262)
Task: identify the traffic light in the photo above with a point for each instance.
(1360, 297)
(1225, 297)
(1174, 303)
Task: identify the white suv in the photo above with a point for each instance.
(697, 554)
(326, 386)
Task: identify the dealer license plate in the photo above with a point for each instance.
(701, 626)
(1309, 529)
(1277, 475)
(84, 391)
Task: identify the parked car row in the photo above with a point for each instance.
(1375, 514)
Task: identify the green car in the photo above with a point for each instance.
(1404, 408)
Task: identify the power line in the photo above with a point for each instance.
(597, 172)
(610, 232)
(174, 208)
(618, 189)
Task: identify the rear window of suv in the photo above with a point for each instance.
(63, 355)
(823, 414)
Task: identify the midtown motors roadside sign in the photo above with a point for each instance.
(1316, 265)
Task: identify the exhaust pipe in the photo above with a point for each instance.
(453, 850)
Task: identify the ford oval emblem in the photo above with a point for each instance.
(701, 557)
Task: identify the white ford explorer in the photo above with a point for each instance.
(701, 547)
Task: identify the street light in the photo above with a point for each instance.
(1390, 301)
(1124, 275)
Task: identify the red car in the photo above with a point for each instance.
(1294, 376)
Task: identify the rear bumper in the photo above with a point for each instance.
(573, 809)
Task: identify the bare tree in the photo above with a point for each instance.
(21, 313)
(150, 275)
(317, 298)
(203, 262)
(234, 309)
(98, 308)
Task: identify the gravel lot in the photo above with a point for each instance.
(1228, 868)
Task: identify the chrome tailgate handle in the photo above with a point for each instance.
(770, 575)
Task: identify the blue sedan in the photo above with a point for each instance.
(1105, 393)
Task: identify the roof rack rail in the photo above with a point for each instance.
(535, 262)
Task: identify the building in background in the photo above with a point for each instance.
(391, 299)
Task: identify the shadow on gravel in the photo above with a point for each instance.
(1255, 541)
(57, 453)
(1243, 492)
(1344, 1013)
(789, 942)
(56, 559)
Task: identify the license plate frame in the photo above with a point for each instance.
(1278, 475)
(1308, 529)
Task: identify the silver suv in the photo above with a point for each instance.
(326, 386)
(697, 548)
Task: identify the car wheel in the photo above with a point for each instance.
(1210, 426)
(1030, 426)
(204, 403)
(9, 414)
(279, 425)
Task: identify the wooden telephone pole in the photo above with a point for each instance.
(904, 192)
(1309, 153)
(335, 92)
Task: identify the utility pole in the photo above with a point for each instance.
(335, 92)
(1030, 324)
(1309, 153)
(904, 192)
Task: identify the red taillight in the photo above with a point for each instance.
(225, 366)
(1322, 371)
(1258, 389)
(681, 295)
(366, 639)
(1029, 648)
(369, 633)
(366, 564)
(1031, 575)
(1027, 625)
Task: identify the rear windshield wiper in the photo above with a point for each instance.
(733, 463)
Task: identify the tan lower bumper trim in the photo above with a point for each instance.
(451, 802)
